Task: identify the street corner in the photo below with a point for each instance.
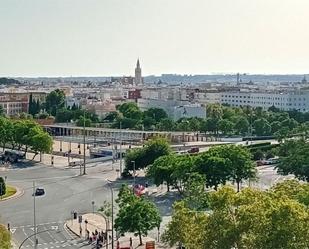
(84, 224)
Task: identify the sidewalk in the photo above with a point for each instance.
(98, 222)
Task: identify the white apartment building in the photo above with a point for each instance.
(291, 100)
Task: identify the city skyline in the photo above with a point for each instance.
(54, 38)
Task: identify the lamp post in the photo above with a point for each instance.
(112, 197)
(84, 140)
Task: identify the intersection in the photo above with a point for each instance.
(66, 192)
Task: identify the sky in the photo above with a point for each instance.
(105, 37)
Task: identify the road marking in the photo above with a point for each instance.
(13, 230)
(54, 227)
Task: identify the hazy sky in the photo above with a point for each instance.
(105, 37)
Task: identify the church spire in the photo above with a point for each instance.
(138, 73)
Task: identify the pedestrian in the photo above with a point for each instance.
(96, 232)
(131, 242)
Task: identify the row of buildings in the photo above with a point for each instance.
(177, 100)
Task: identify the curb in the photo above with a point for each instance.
(71, 230)
(19, 193)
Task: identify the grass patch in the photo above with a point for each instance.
(9, 192)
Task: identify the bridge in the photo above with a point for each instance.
(97, 135)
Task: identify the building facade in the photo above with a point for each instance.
(286, 101)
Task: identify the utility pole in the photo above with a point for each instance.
(120, 167)
(34, 218)
(84, 140)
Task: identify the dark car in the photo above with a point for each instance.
(194, 150)
(39, 191)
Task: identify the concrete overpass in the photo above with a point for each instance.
(113, 135)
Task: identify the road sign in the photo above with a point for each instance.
(150, 245)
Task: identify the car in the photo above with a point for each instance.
(194, 150)
(39, 192)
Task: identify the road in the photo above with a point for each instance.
(65, 192)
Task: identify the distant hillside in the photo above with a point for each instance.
(7, 81)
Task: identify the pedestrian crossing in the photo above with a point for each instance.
(50, 235)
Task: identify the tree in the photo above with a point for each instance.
(2, 186)
(262, 127)
(155, 113)
(295, 160)
(55, 100)
(242, 125)
(137, 216)
(195, 196)
(112, 116)
(6, 131)
(64, 115)
(5, 238)
(146, 155)
(214, 111)
(186, 228)
(83, 121)
(217, 170)
(292, 189)
(225, 126)
(239, 157)
(162, 169)
(290, 123)
(258, 155)
(166, 124)
(130, 110)
(275, 126)
(41, 142)
(210, 125)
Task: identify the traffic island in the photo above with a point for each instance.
(11, 193)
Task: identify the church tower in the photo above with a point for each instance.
(138, 74)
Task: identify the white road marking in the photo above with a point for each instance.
(13, 230)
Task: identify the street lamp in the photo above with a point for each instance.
(133, 173)
(112, 196)
(84, 140)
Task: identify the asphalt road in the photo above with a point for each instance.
(65, 192)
